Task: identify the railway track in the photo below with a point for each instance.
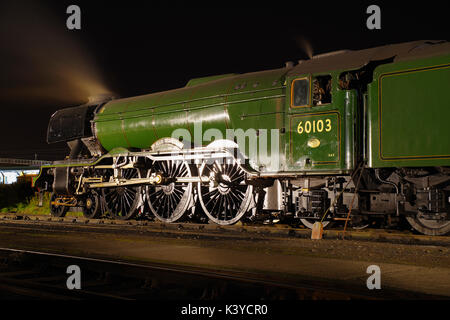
(212, 230)
(41, 275)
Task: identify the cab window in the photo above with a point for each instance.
(300, 93)
(321, 90)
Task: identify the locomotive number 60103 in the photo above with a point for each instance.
(314, 126)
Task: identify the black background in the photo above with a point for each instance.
(139, 47)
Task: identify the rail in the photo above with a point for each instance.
(43, 275)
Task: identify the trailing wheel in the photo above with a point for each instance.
(91, 208)
(122, 202)
(169, 200)
(428, 226)
(227, 199)
(56, 209)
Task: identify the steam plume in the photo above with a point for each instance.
(41, 60)
(305, 45)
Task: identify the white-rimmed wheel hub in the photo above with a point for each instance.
(123, 201)
(170, 199)
(227, 197)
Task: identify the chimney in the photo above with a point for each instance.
(289, 64)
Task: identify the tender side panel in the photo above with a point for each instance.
(409, 112)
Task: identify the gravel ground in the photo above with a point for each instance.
(414, 268)
(354, 250)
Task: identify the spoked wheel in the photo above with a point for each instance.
(229, 199)
(91, 208)
(55, 209)
(122, 202)
(170, 200)
(429, 227)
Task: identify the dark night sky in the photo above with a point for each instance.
(138, 47)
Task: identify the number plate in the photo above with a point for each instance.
(315, 139)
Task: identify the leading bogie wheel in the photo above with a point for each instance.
(57, 209)
(91, 207)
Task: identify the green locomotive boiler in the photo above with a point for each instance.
(347, 135)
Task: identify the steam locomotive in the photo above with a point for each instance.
(350, 136)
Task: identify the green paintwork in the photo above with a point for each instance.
(322, 130)
(408, 114)
(336, 151)
(250, 101)
(405, 106)
(197, 81)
